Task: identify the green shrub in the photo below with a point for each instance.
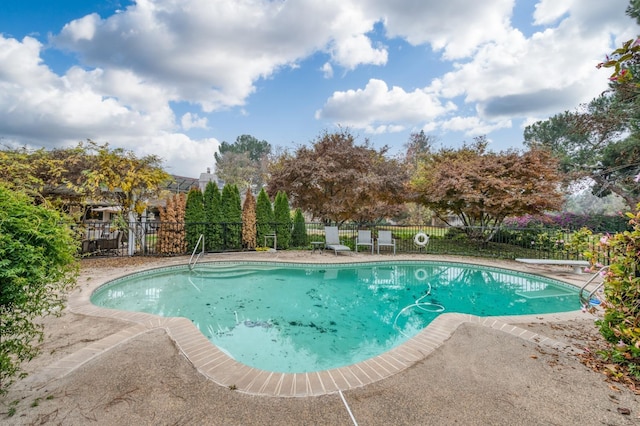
(621, 322)
(194, 216)
(282, 218)
(264, 216)
(213, 216)
(299, 233)
(37, 267)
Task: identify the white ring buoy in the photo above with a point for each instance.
(420, 274)
(421, 239)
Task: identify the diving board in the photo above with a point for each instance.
(577, 265)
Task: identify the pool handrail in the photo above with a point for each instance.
(587, 300)
(201, 238)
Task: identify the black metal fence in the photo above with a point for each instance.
(165, 239)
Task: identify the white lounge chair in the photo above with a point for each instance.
(385, 239)
(364, 239)
(332, 240)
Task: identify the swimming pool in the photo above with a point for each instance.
(303, 317)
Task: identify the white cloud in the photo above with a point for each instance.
(40, 108)
(457, 27)
(187, 157)
(193, 121)
(549, 72)
(376, 105)
(474, 126)
(548, 11)
(212, 53)
(134, 65)
(327, 70)
(357, 49)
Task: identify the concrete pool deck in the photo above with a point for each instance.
(349, 391)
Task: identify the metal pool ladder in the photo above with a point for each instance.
(587, 300)
(191, 266)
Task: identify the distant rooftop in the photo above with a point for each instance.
(182, 183)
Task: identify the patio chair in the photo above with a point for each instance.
(364, 239)
(111, 243)
(332, 240)
(385, 239)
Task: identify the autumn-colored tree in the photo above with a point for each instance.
(299, 233)
(69, 176)
(282, 218)
(249, 221)
(56, 176)
(213, 217)
(119, 175)
(264, 215)
(194, 217)
(171, 235)
(482, 188)
(337, 180)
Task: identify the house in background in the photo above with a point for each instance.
(207, 177)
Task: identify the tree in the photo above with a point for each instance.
(418, 146)
(194, 217)
(37, 267)
(171, 235)
(128, 180)
(213, 216)
(119, 175)
(66, 177)
(482, 188)
(337, 180)
(57, 176)
(282, 218)
(264, 215)
(299, 233)
(588, 144)
(243, 162)
(249, 221)
(600, 141)
(232, 216)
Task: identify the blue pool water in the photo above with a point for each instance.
(302, 318)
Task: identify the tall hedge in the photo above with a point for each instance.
(264, 216)
(213, 216)
(232, 216)
(299, 233)
(282, 219)
(194, 217)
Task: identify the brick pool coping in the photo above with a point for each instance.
(217, 366)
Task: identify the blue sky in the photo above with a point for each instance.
(175, 78)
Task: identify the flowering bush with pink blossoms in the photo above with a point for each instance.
(621, 322)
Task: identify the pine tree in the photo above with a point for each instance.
(232, 216)
(264, 215)
(282, 218)
(299, 233)
(249, 221)
(194, 217)
(213, 217)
